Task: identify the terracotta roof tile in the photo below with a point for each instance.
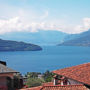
(33, 88)
(58, 87)
(80, 73)
(66, 87)
(48, 83)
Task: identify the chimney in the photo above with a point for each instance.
(4, 63)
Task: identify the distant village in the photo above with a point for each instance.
(70, 78)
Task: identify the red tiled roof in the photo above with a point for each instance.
(33, 88)
(80, 73)
(58, 87)
(66, 87)
(48, 83)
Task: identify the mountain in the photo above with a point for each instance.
(7, 45)
(47, 37)
(83, 39)
(41, 37)
(75, 36)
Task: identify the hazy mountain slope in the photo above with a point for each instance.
(40, 38)
(74, 36)
(82, 40)
(43, 37)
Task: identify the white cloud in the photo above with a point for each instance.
(16, 24)
(27, 18)
(86, 23)
(84, 27)
(31, 21)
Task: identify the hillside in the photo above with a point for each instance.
(82, 40)
(7, 45)
(76, 36)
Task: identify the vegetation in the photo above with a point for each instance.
(33, 79)
(33, 74)
(32, 82)
(7, 45)
(48, 76)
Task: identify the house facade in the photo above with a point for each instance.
(8, 77)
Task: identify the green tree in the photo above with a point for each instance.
(48, 76)
(33, 82)
(33, 74)
(33, 79)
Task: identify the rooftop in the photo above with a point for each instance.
(58, 87)
(47, 83)
(5, 69)
(66, 87)
(33, 88)
(80, 73)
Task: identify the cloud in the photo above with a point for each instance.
(86, 23)
(75, 29)
(31, 21)
(16, 24)
(13, 25)
(24, 17)
(84, 27)
(8, 25)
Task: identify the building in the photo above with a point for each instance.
(75, 75)
(8, 77)
(71, 78)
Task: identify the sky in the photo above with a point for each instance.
(70, 16)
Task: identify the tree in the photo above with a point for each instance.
(32, 82)
(48, 76)
(33, 79)
(33, 74)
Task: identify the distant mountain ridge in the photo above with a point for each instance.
(8, 45)
(83, 39)
(74, 36)
(48, 37)
(41, 37)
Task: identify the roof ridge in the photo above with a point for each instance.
(72, 66)
(5, 69)
(63, 85)
(80, 73)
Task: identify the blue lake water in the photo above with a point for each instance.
(50, 58)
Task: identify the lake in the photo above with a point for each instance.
(50, 58)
